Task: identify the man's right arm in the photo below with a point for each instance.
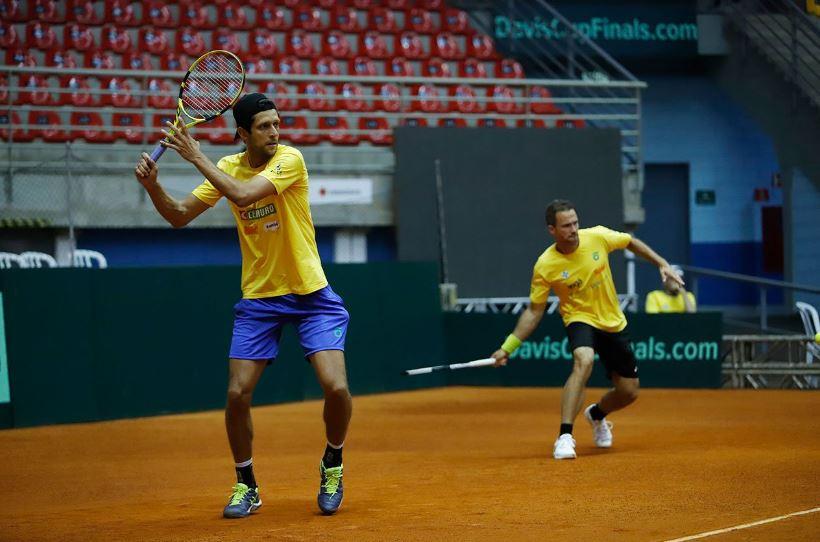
(178, 213)
(527, 323)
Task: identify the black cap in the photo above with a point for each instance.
(248, 106)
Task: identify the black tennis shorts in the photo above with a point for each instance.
(613, 348)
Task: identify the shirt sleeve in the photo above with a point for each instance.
(207, 194)
(652, 303)
(539, 287)
(613, 239)
(691, 297)
(285, 171)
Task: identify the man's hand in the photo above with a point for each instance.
(181, 141)
(501, 358)
(146, 170)
(669, 274)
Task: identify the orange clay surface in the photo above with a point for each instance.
(432, 465)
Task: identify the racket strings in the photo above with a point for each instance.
(212, 86)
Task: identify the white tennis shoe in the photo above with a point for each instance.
(564, 447)
(601, 430)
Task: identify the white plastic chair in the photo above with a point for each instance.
(88, 258)
(33, 259)
(9, 260)
(811, 323)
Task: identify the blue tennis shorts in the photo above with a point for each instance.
(320, 319)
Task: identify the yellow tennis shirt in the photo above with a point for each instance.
(276, 235)
(659, 301)
(582, 280)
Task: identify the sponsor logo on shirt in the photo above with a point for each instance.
(595, 256)
(256, 214)
(272, 226)
(565, 275)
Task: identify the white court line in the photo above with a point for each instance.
(745, 525)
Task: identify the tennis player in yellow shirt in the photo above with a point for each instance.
(282, 283)
(576, 268)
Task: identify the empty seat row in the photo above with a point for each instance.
(242, 16)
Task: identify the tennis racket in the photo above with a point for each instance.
(453, 366)
(211, 86)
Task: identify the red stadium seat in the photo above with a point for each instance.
(419, 20)
(570, 123)
(8, 36)
(299, 44)
(194, 13)
(83, 12)
(115, 39)
(509, 69)
(389, 98)
(100, 60)
(288, 65)
(256, 64)
(531, 123)
(157, 13)
(190, 42)
(436, 67)
(292, 3)
(226, 38)
(18, 135)
(216, 131)
(20, 57)
(161, 94)
(427, 98)
(93, 133)
(174, 61)
(383, 20)
(502, 100)
(450, 122)
(326, 66)
(37, 90)
(61, 59)
(481, 46)
(4, 89)
(465, 100)
(79, 92)
(46, 11)
(344, 18)
(119, 93)
(399, 4)
(41, 36)
(293, 130)
(78, 37)
(445, 46)
(339, 131)
(314, 97)
(272, 18)
(378, 130)
(137, 61)
(362, 66)
(121, 13)
(160, 122)
(491, 122)
(352, 97)
(456, 21)
(281, 94)
(128, 126)
(410, 46)
(472, 68)
(372, 44)
(432, 5)
(541, 102)
(152, 40)
(336, 45)
(10, 11)
(400, 67)
(235, 15)
(262, 42)
(48, 126)
(363, 4)
(308, 18)
(414, 122)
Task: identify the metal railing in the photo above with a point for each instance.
(769, 361)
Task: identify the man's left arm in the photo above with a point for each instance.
(242, 194)
(644, 251)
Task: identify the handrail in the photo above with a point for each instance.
(750, 278)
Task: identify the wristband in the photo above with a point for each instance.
(511, 344)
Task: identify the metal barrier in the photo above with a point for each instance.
(769, 361)
(514, 305)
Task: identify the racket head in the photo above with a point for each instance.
(211, 86)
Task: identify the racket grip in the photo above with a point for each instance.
(158, 151)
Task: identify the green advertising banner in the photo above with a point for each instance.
(5, 397)
(673, 350)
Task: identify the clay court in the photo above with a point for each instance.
(439, 464)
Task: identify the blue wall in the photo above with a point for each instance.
(688, 119)
(805, 232)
